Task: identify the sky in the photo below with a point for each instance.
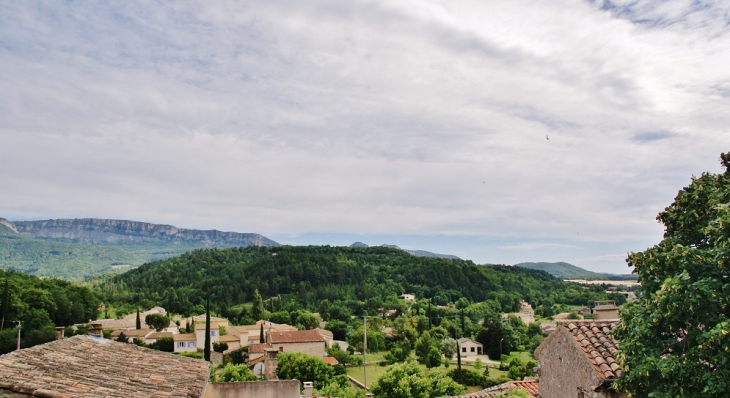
(498, 131)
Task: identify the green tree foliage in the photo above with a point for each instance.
(468, 377)
(674, 340)
(165, 344)
(257, 311)
(423, 347)
(433, 359)
(220, 347)
(353, 280)
(239, 356)
(41, 304)
(399, 351)
(340, 387)
(231, 373)
(304, 367)
(157, 321)
(448, 348)
(122, 338)
(406, 380)
(339, 329)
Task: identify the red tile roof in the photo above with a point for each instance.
(529, 384)
(298, 336)
(257, 348)
(331, 360)
(598, 345)
(95, 367)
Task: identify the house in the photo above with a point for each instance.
(529, 385)
(214, 332)
(577, 360)
(526, 314)
(605, 309)
(327, 335)
(90, 366)
(470, 348)
(233, 341)
(132, 334)
(185, 342)
(305, 341)
(153, 337)
(408, 297)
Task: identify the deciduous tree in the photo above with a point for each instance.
(674, 340)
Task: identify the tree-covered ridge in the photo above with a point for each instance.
(40, 304)
(59, 259)
(313, 274)
(564, 270)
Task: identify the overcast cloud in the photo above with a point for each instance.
(418, 123)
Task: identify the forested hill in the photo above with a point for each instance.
(315, 273)
(569, 271)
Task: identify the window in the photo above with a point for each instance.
(180, 344)
(463, 349)
(191, 344)
(212, 332)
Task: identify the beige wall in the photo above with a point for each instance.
(316, 348)
(254, 389)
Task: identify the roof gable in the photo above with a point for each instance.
(92, 366)
(595, 339)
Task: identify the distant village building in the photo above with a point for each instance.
(185, 342)
(305, 341)
(470, 348)
(605, 309)
(577, 360)
(526, 313)
(408, 297)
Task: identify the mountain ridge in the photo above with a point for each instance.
(417, 253)
(563, 270)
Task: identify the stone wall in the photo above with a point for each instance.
(564, 368)
(254, 389)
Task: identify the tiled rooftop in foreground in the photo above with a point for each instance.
(86, 366)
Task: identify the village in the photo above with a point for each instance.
(575, 359)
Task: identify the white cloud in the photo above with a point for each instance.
(366, 117)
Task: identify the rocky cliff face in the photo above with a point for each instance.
(7, 224)
(94, 230)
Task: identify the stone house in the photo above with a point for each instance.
(305, 341)
(605, 309)
(577, 360)
(470, 348)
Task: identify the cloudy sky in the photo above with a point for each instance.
(418, 123)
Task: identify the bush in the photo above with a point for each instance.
(239, 356)
(232, 372)
(220, 347)
(467, 377)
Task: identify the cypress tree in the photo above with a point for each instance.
(6, 302)
(206, 350)
(139, 322)
(261, 335)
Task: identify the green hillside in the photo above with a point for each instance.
(362, 277)
(564, 271)
(59, 259)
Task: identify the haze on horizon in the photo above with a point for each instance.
(500, 132)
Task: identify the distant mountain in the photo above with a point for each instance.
(569, 271)
(60, 259)
(106, 243)
(417, 253)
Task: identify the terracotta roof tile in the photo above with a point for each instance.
(229, 338)
(599, 346)
(184, 337)
(331, 360)
(530, 385)
(94, 367)
(297, 336)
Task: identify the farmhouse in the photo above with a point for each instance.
(306, 341)
(470, 348)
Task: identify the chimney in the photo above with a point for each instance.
(95, 329)
(308, 389)
(271, 363)
(59, 332)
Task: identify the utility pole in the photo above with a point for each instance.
(18, 341)
(364, 349)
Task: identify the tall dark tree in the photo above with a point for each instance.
(261, 334)
(139, 321)
(6, 302)
(674, 340)
(206, 350)
(258, 306)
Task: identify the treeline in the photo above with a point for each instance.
(360, 280)
(40, 305)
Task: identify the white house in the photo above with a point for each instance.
(408, 297)
(214, 332)
(470, 348)
(185, 342)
